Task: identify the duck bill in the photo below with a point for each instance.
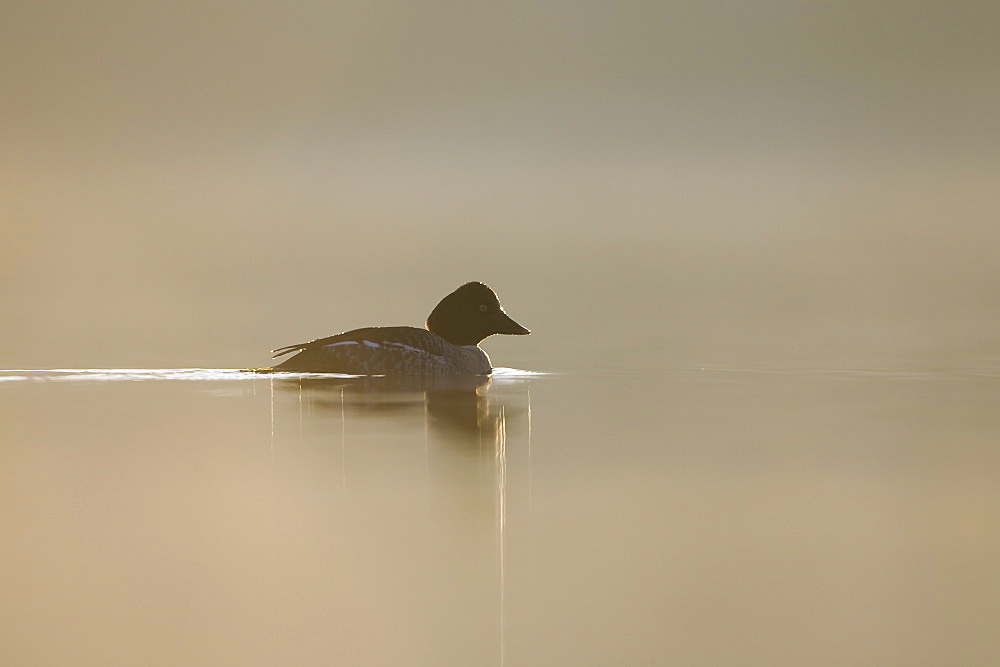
(505, 325)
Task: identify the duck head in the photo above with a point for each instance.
(470, 314)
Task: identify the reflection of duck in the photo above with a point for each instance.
(448, 346)
(455, 406)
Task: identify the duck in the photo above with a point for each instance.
(447, 345)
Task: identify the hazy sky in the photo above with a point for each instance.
(550, 77)
(182, 176)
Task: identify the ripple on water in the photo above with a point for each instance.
(183, 374)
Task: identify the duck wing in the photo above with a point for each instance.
(418, 339)
(383, 351)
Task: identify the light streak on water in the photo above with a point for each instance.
(184, 374)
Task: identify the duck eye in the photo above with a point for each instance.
(482, 308)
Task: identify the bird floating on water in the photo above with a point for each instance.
(449, 345)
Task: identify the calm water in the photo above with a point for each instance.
(755, 244)
(694, 516)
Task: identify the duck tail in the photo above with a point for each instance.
(281, 351)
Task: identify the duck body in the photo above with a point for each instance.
(448, 346)
(387, 351)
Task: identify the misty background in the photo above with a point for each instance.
(644, 184)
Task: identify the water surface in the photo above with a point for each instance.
(739, 515)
